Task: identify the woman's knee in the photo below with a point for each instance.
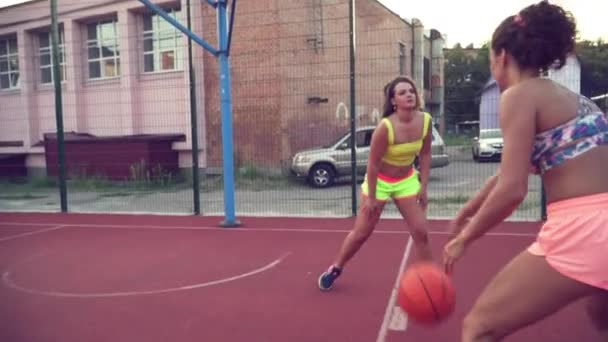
(419, 233)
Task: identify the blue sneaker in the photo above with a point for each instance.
(326, 280)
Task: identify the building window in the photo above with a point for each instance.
(45, 54)
(9, 63)
(162, 43)
(102, 49)
(402, 59)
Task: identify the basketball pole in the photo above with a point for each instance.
(222, 54)
(224, 38)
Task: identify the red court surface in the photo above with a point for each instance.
(77, 277)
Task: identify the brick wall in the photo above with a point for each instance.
(285, 52)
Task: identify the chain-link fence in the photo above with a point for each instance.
(130, 108)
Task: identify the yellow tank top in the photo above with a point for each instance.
(403, 154)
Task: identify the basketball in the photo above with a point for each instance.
(426, 293)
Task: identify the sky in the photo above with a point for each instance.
(461, 22)
(473, 21)
(9, 2)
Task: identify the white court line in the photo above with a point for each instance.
(6, 277)
(388, 314)
(237, 229)
(40, 231)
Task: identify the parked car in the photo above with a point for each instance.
(322, 166)
(488, 145)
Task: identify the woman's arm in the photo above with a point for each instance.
(424, 157)
(473, 205)
(517, 118)
(378, 147)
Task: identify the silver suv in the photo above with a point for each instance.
(322, 166)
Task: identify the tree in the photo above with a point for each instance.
(466, 72)
(593, 57)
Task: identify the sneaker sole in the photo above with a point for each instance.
(321, 287)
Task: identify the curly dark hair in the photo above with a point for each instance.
(540, 37)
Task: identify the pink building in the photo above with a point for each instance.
(125, 73)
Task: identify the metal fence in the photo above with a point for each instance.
(132, 100)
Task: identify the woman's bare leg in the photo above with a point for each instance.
(525, 291)
(415, 217)
(363, 228)
(597, 308)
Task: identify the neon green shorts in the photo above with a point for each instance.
(396, 188)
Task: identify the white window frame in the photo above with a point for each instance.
(47, 50)
(98, 44)
(155, 35)
(8, 70)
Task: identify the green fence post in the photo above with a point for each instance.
(193, 123)
(353, 109)
(543, 202)
(58, 107)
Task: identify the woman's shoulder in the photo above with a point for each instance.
(384, 122)
(527, 92)
(384, 125)
(539, 88)
(426, 116)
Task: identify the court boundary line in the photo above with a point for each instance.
(388, 314)
(39, 231)
(256, 214)
(244, 229)
(6, 278)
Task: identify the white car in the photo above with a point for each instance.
(488, 145)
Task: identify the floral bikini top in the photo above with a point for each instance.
(586, 131)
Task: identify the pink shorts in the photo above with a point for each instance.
(574, 240)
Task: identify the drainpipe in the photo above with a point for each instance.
(438, 78)
(418, 54)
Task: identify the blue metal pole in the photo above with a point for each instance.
(225, 96)
(226, 108)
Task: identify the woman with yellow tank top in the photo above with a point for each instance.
(403, 134)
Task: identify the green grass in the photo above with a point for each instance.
(452, 199)
(457, 140)
(11, 187)
(248, 178)
(25, 196)
(114, 194)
